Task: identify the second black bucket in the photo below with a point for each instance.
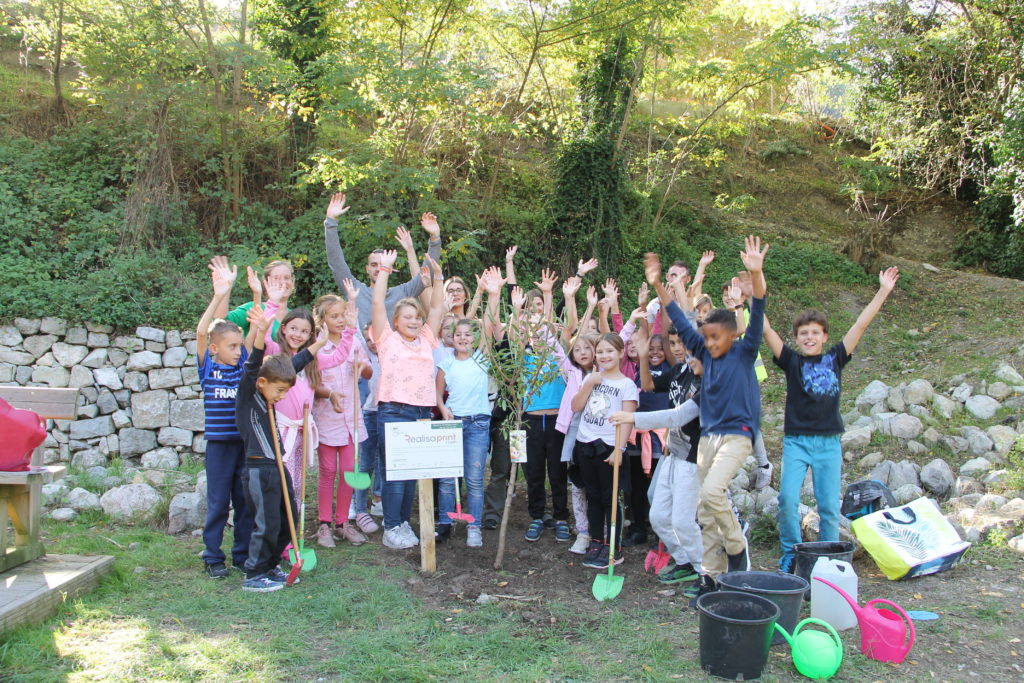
(808, 553)
(785, 590)
(735, 633)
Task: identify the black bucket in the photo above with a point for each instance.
(808, 553)
(785, 590)
(735, 633)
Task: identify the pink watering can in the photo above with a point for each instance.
(883, 631)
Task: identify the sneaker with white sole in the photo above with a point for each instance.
(276, 574)
(366, 523)
(261, 584)
(324, 537)
(377, 509)
(581, 544)
(351, 533)
(474, 537)
(396, 538)
(352, 509)
(764, 476)
(410, 534)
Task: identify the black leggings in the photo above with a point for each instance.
(597, 478)
(544, 453)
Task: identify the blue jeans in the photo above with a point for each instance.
(476, 440)
(225, 467)
(369, 462)
(824, 456)
(397, 495)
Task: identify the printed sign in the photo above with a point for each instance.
(517, 445)
(423, 450)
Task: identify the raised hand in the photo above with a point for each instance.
(547, 281)
(706, 258)
(753, 255)
(276, 290)
(652, 268)
(257, 319)
(388, 258)
(222, 275)
(510, 253)
(591, 295)
(637, 313)
(644, 296)
(585, 267)
(253, 278)
(641, 342)
(435, 267)
(571, 286)
(352, 314)
(449, 302)
(518, 298)
(888, 278)
(337, 206)
(611, 290)
(491, 280)
(404, 238)
(350, 289)
(429, 223)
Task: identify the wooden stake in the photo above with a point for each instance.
(428, 558)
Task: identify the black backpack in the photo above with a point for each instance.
(866, 496)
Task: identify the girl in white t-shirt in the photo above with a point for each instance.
(599, 443)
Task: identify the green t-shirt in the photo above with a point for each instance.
(240, 315)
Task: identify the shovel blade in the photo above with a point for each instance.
(358, 480)
(307, 558)
(461, 517)
(606, 586)
(661, 561)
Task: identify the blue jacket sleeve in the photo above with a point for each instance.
(690, 337)
(755, 327)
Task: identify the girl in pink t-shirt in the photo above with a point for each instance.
(334, 411)
(406, 390)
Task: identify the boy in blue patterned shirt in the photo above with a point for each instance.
(813, 425)
(220, 370)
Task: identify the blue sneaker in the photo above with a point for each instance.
(562, 534)
(535, 530)
(276, 574)
(261, 584)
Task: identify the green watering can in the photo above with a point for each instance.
(816, 655)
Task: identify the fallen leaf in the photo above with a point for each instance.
(502, 584)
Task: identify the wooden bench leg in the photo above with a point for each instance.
(23, 510)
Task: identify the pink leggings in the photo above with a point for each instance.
(330, 471)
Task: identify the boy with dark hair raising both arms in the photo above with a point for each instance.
(729, 411)
(813, 425)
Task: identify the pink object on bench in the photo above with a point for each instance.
(22, 431)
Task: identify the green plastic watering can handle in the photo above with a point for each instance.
(812, 620)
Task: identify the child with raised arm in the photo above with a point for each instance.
(220, 370)
(729, 411)
(813, 426)
(406, 391)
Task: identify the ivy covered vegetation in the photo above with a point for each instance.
(141, 137)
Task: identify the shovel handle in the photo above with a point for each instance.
(284, 483)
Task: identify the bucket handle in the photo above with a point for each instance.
(828, 626)
(906, 510)
(898, 610)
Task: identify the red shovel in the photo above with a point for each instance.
(657, 559)
(459, 515)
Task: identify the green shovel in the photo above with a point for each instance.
(608, 586)
(355, 478)
(308, 555)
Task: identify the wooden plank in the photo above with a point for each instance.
(33, 591)
(56, 404)
(41, 475)
(428, 558)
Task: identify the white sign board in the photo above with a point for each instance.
(423, 450)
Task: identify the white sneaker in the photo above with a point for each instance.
(377, 509)
(764, 476)
(474, 539)
(410, 535)
(581, 544)
(395, 538)
(352, 510)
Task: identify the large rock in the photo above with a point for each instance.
(54, 492)
(871, 459)
(967, 485)
(77, 335)
(143, 361)
(903, 426)
(174, 436)
(1013, 509)
(98, 340)
(39, 344)
(982, 407)
(27, 326)
(12, 357)
(918, 392)
(187, 511)
(990, 502)
(63, 515)
(69, 354)
(131, 502)
(175, 357)
(81, 377)
(937, 476)
(91, 429)
(108, 377)
(974, 467)
(931, 436)
(944, 407)
(906, 493)
(96, 359)
(80, 499)
(978, 442)
(1003, 438)
(57, 326)
(90, 457)
(957, 444)
(135, 441)
(188, 415)
(962, 392)
(136, 381)
(54, 377)
(150, 334)
(855, 438)
(1008, 374)
(164, 378)
(896, 474)
(895, 400)
(151, 409)
(999, 390)
(873, 393)
(161, 459)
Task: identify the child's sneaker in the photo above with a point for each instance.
(700, 587)
(366, 524)
(409, 534)
(352, 509)
(764, 475)
(535, 530)
(350, 533)
(581, 544)
(562, 534)
(261, 584)
(324, 537)
(678, 573)
(276, 574)
(396, 538)
(442, 532)
(474, 538)
(217, 570)
(593, 557)
(740, 562)
(377, 509)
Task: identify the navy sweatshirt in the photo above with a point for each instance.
(251, 415)
(730, 396)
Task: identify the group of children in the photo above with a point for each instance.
(670, 395)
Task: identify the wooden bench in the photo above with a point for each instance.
(21, 492)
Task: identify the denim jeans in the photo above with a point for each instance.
(476, 440)
(824, 456)
(369, 462)
(397, 495)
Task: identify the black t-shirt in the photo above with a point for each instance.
(812, 391)
(657, 399)
(683, 386)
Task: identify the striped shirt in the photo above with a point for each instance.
(220, 386)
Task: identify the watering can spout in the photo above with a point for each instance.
(782, 632)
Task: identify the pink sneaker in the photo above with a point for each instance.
(366, 524)
(351, 534)
(323, 536)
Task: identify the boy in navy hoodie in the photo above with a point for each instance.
(729, 411)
